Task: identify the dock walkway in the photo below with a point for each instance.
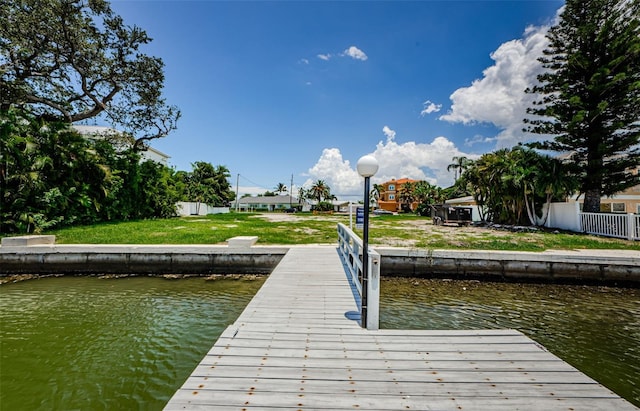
(298, 345)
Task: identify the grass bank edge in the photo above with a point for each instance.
(393, 231)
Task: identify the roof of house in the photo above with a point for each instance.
(104, 131)
(271, 200)
(401, 181)
(461, 200)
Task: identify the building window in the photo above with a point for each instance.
(638, 208)
(612, 207)
(393, 197)
(618, 207)
(392, 187)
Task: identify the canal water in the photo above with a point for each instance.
(595, 329)
(88, 343)
(83, 343)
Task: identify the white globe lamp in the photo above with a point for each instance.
(367, 166)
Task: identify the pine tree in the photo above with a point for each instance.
(590, 95)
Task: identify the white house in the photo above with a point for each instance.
(270, 203)
(115, 137)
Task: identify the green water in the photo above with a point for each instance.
(595, 329)
(79, 343)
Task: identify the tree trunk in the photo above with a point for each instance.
(591, 201)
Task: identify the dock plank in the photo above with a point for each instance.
(298, 345)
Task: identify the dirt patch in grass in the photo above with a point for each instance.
(397, 242)
(286, 217)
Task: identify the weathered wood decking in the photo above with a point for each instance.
(298, 345)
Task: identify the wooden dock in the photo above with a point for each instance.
(298, 345)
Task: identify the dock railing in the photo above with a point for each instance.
(350, 247)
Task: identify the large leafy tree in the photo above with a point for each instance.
(71, 60)
(49, 175)
(208, 184)
(509, 184)
(590, 95)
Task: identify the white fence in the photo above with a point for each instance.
(185, 208)
(625, 226)
(567, 216)
(350, 247)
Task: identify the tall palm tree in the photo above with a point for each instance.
(302, 194)
(281, 188)
(375, 193)
(406, 195)
(459, 164)
(320, 190)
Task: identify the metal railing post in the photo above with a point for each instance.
(373, 292)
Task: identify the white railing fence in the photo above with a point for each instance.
(350, 247)
(625, 226)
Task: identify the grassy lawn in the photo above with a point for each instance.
(275, 228)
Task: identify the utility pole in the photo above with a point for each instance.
(237, 199)
(291, 192)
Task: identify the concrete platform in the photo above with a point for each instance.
(28, 240)
(242, 241)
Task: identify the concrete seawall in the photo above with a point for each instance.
(610, 267)
(130, 259)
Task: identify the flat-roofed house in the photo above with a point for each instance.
(120, 142)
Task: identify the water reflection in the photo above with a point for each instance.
(596, 329)
(86, 343)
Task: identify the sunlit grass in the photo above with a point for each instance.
(304, 228)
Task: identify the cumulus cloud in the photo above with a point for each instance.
(430, 107)
(420, 161)
(499, 97)
(303, 61)
(355, 53)
(389, 133)
(324, 57)
(336, 172)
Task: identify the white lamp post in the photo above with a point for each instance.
(367, 166)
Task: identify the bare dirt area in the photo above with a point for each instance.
(418, 228)
(426, 225)
(286, 217)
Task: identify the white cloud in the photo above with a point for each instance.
(303, 61)
(420, 161)
(499, 97)
(355, 53)
(336, 172)
(389, 133)
(478, 139)
(430, 107)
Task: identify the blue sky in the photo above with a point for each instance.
(275, 89)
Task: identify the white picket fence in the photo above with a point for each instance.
(625, 226)
(567, 216)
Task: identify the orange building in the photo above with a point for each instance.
(389, 195)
